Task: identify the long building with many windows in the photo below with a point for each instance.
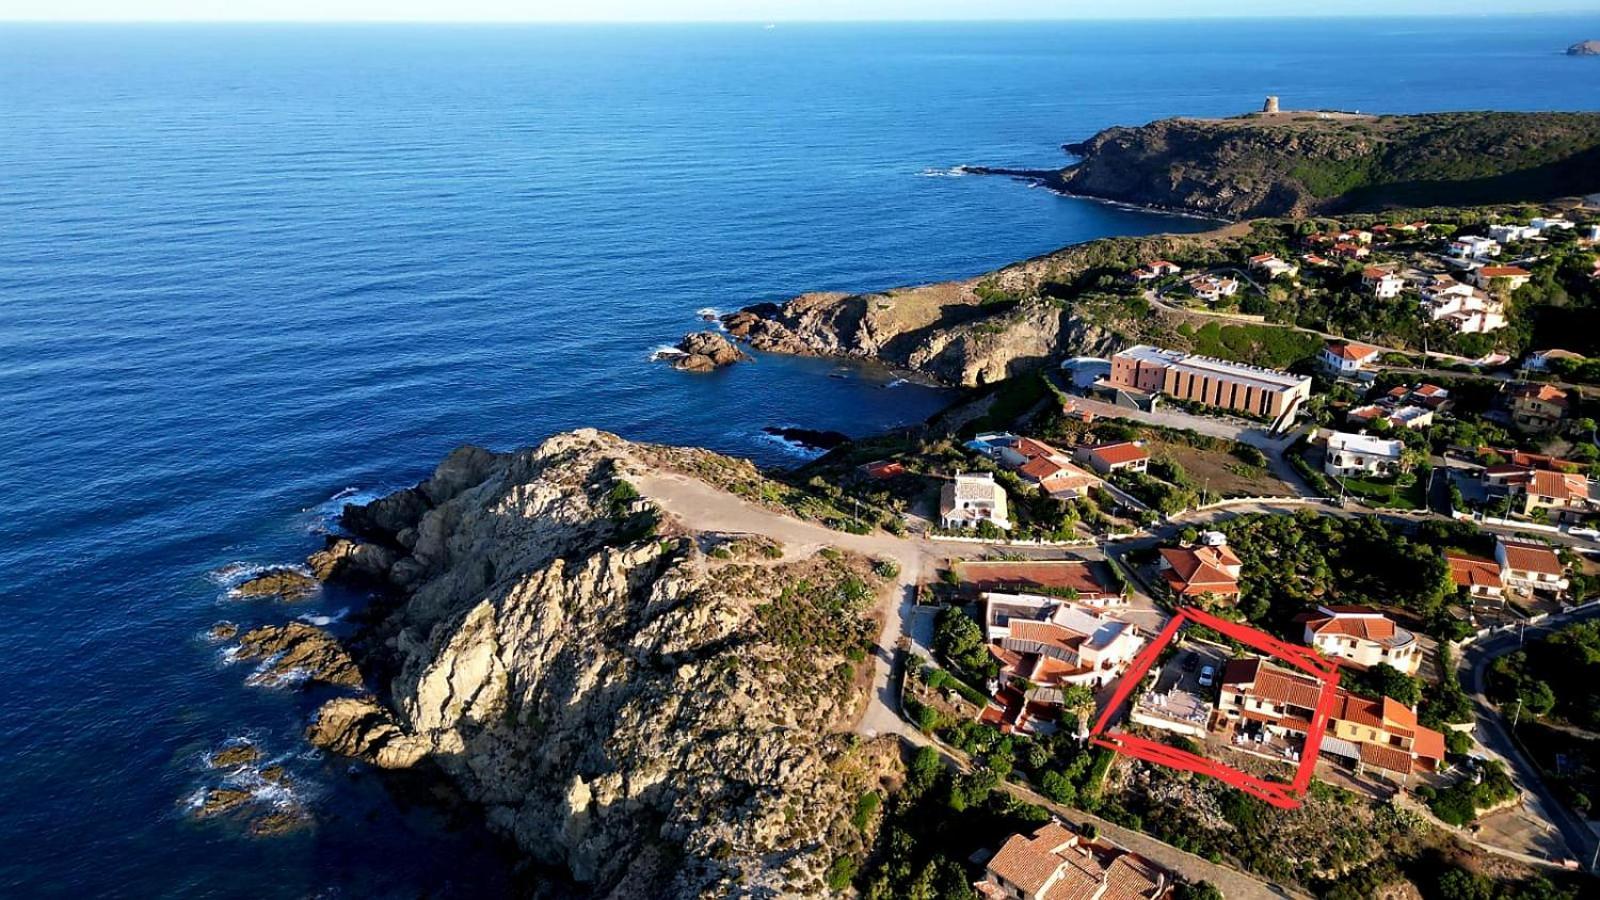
(1213, 382)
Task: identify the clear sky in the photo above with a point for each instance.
(742, 10)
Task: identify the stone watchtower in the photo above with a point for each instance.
(1271, 106)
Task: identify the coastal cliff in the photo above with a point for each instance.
(1321, 163)
(655, 711)
(973, 332)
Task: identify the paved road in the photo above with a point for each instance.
(1492, 735)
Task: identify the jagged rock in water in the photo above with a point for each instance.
(285, 583)
(347, 560)
(1584, 48)
(281, 821)
(233, 756)
(275, 774)
(222, 800)
(300, 650)
(616, 704)
(705, 351)
(222, 631)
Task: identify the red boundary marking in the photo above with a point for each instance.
(1286, 796)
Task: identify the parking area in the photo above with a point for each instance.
(1188, 668)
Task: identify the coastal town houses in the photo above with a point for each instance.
(1159, 268)
(1345, 358)
(1528, 568)
(1467, 309)
(1545, 360)
(1477, 578)
(1121, 456)
(1381, 735)
(1381, 283)
(1051, 470)
(1412, 417)
(970, 499)
(1501, 278)
(1271, 266)
(1536, 407)
(1355, 455)
(1204, 571)
(1055, 863)
(1558, 497)
(1150, 371)
(1051, 643)
(1212, 288)
(1362, 636)
(1084, 583)
(1472, 247)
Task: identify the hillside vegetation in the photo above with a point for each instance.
(1302, 163)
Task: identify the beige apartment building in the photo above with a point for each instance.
(1214, 382)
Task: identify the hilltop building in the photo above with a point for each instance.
(1212, 382)
(970, 499)
(1362, 636)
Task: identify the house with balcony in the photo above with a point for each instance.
(1381, 283)
(1509, 278)
(1527, 567)
(1467, 309)
(1359, 455)
(1363, 637)
(970, 499)
(1058, 864)
(1052, 643)
(1202, 571)
(1345, 358)
(1121, 456)
(1536, 407)
(1476, 577)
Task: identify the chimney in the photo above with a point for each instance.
(1271, 105)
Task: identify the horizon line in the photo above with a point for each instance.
(974, 20)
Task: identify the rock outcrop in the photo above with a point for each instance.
(1584, 48)
(296, 651)
(1323, 163)
(283, 583)
(351, 561)
(620, 703)
(705, 351)
(969, 333)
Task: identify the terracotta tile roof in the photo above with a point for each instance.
(1034, 449)
(1350, 350)
(1194, 572)
(1473, 571)
(1269, 682)
(1391, 759)
(1119, 453)
(1360, 710)
(1048, 634)
(1041, 467)
(1535, 558)
(1429, 744)
(1025, 864)
(1055, 574)
(1542, 392)
(1372, 627)
(1504, 272)
(1560, 485)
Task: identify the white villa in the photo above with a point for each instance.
(1474, 247)
(1052, 643)
(1471, 310)
(1360, 454)
(972, 498)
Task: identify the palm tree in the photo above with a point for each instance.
(1079, 701)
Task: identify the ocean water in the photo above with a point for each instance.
(247, 273)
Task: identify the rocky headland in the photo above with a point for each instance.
(1584, 48)
(622, 703)
(1299, 163)
(983, 330)
(705, 351)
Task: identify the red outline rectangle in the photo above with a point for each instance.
(1278, 794)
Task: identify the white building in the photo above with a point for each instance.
(1513, 277)
(1552, 223)
(1382, 284)
(1271, 266)
(1363, 636)
(1474, 247)
(1053, 643)
(1347, 357)
(1470, 310)
(1506, 234)
(972, 498)
(1361, 454)
(1526, 566)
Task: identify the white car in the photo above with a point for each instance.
(1588, 534)
(1208, 676)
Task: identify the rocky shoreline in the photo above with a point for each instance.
(619, 703)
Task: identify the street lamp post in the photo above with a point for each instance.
(1516, 715)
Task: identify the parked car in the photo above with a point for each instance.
(1588, 534)
(1208, 676)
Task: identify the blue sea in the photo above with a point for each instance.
(248, 273)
